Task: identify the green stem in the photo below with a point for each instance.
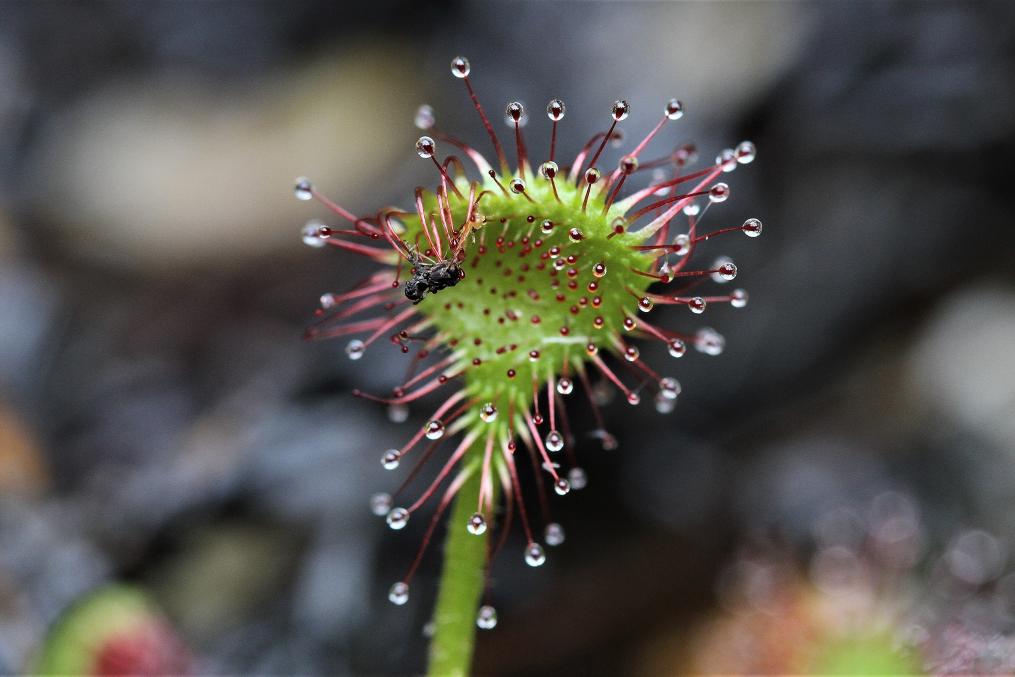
(461, 587)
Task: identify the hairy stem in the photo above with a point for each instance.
(461, 587)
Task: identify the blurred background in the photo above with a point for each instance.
(167, 438)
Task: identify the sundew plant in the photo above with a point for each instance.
(511, 291)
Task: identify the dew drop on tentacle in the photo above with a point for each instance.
(738, 298)
(674, 109)
(426, 147)
(575, 235)
(633, 398)
(304, 189)
(398, 518)
(380, 504)
(727, 160)
(398, 413)
(399, 593)
(554, 441)
(746, 152)
(685, 155)
(486, 618)
(628, 164)
(555, 110)
(663, 404)
(311, 234)
(425, 118)
(669, 387)
(725, 270)
(549, 169)
(621, 109)
(751, 227)
(631, 354)
(645, 304)
(562, 487)
(488, 412)
(676, 347)
(682, 244)
(565, 385)
(546, 227)
(476, 525)
(355, 349)
(460, 67)
(434, 430)
(579, 480)
(720, 192)
(515, 112)
(599, 270)
(709, 341)
(553, 534)
(592, 175)
(697, 305)
(534, 555)
(390, 459)
(517, 186)
(692, 209)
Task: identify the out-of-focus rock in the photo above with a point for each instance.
(154, 172)
(223, 574)
(22, 468)
(963, 366)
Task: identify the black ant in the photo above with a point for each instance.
(430, 277)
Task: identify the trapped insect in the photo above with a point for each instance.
(431, 277)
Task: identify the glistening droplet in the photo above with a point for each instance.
(399, 593)
(390, 459)
(534, 555)
(304, 189)
(460, 67)
(380, 504)
(434, 430)
(725, 270)
(621, 109)
(425, 118)
(555, 110)
(398, 518)
(553, 534)
(476, 525)
(426, 147)
(746, 152)
(355, 349)
(311, 234)
(709, 341)
(674, 109)
(486, 618)
(751, 227)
